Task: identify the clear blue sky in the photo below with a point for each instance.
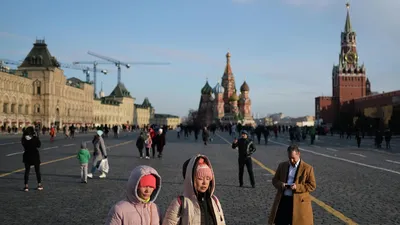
(284, 49)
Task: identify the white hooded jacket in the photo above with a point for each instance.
(191, 214)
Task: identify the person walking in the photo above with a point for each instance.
(294, 180)
(388, 137)
(84, 156)
(52, 133)
(246, 149)
(205, 135)
(138, 208)
(160, 142)
(358, 138)
(31, 156)
(198, 204)
(148, 143)
(99, 153)
(312, 134)
(140, 142)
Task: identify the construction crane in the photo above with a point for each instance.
(85, 70)
(10, 62)
(4, 62)
(94, 63)
(118, 63)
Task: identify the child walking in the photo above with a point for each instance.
(140, 144)
(148, 143)
(138, 208)
(84, 156)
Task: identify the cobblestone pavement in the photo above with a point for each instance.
(365, 195)
(360, 183)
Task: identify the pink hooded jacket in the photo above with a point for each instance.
(132, 211)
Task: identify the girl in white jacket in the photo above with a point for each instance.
(197, 205)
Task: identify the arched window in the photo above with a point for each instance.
(37, 108)
(33, 60)
(37, 87)
(40, 60)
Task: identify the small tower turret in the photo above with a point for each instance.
(219, 101)
(101, 93)
(244, 101)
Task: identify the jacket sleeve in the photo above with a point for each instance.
(309, 185)
(221, 219)
(172, 215)
(113, 217)
(234, 145)
(252, 147)
(278, 184)
(103, 147)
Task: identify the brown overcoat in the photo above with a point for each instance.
(305, 183)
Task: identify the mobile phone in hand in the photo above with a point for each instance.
(288, 186)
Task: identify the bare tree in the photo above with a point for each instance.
(192, 116)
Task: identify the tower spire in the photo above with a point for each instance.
(228, 69)
(101, 86)
(347, 26)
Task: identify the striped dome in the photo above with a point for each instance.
(207, 89)
(218, 89)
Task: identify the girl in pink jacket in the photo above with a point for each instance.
(198, 204)
(138, 208)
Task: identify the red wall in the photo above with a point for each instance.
(325, 109)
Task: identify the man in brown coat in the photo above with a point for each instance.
(294, 180)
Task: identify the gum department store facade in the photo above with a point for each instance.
(38, 92)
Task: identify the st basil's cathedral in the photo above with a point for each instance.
(222, 104)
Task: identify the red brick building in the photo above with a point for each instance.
(351, 89)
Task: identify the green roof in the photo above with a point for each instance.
(146, 103)
(120, 91)
(39, 56)
(157, 115)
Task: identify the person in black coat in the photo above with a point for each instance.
(140, 144)
(205, 135)
(31, 156)
(246, 148)
(159, 142)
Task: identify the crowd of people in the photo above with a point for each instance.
(294, 180)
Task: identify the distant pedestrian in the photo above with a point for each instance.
(358, 138)
(388, 138)
(31, 156)
(84, 156)
(140, 143)
(198, 204)
(294, 180)
(160, 142)
(138, 208)
(312, 134)
(246, 149)
(52, 133)
(205, 135)
(99, 153)
(178, 132)
(148, 143)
